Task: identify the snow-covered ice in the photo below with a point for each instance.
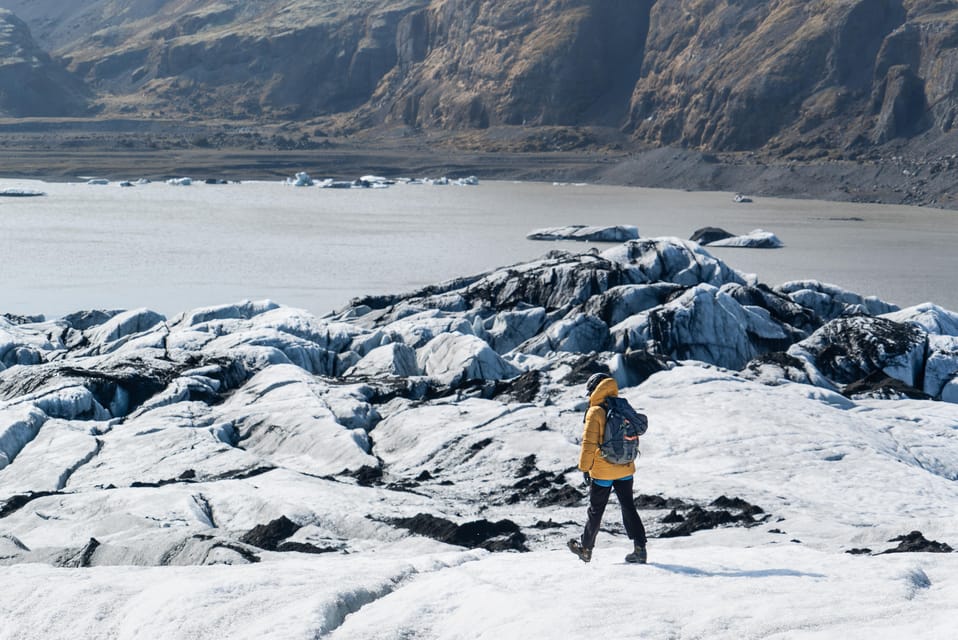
(407, 465)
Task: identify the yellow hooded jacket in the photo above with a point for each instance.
(590, 459)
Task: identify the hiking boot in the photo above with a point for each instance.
(638, 555)
(576, 547)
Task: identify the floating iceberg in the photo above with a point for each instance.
(376, 181)
(336, 184)
(756, 239)
(180, 182)
(584, 233)
(302, 179)
(20, 193)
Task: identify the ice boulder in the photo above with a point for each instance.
(851, 348)
(929, 317)
(268, 346)
(673, 260)
(19, 424)
(579, 333)
(705, 323)
(632, 368)
(240, 311)
(779, 368)
(558, 280)
(123, 325)
(619, 303)
(86, 386)
(452, 358)
(22, 345)
(389, 360)
(509, 329)
(949, 392)
(941, 365)
(829, 301)
(88, 318)
(419, 328)
(295, 420)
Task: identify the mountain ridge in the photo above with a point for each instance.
(786, 80)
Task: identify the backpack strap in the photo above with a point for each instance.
(604, 405)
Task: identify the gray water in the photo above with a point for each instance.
(174, 248)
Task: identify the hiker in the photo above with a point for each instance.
(602, 477)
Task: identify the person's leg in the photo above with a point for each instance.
(598, 498)
(630, 517)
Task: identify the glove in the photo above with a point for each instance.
(586, 478)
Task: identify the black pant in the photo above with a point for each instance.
(598, 498)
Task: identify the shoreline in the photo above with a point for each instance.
(894, 181)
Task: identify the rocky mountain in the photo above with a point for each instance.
(31, 84)
(838, 74)
(789, 77)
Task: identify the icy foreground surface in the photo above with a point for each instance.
(405, 468)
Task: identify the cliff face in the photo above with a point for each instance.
(211, 59)
(825, 74)
(472, 64)
(777, 75)
(31, 84)
(444, 63)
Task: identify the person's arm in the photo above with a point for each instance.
(590, 438)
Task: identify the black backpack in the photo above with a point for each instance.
(623, 426)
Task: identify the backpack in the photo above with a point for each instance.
(623, 426)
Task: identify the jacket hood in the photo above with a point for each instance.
(605, 389)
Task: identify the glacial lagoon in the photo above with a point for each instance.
(173, 248)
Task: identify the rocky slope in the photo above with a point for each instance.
(787, 78)
(31, 84)
(738, 75)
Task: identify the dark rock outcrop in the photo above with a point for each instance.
(269, 536)
(79, 558)
(916, 542)
(881, 386)
(847, 350)
(706, 235)
(722, 511)
(503, 535)
(645, 501)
